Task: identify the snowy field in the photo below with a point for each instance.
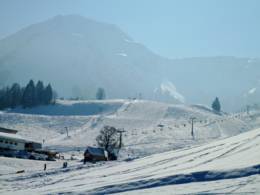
(159, 155)
(151, 127)
(231, 165)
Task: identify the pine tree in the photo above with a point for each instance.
(29, 95)
(15, 95)
(100, 95)
(8, 97)
(216, 105)
(2, 96)
(5, 98)
(48, 95)
(39, 93)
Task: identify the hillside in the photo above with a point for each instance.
(229, 165)
(91, 54)
(151, 127)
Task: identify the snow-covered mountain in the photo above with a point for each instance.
(78, 55)
(234, 80)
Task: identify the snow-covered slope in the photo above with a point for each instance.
(230, 165)
(151, 127)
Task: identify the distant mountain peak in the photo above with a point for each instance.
(74, 52)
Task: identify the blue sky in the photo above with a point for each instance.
(171, 28)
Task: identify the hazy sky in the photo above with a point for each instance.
(171, 28)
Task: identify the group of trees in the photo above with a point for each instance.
(29, 96)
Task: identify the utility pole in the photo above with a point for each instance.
(67, 131)
(247, 109)
(192, 126)
(120, 138)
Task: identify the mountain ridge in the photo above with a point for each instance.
(92, 54)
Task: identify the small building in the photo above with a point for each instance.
(15, 142)
(95, 154)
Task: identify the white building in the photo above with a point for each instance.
(15, 142)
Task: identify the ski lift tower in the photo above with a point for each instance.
(120, 138)
(67, 131)
(192, 126)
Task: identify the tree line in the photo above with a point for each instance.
(29, 96)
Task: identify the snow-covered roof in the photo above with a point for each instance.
(95, 151)
(14, 137)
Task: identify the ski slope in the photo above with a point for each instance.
(230, 165)
(151, 127)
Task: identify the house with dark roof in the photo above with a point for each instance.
(93, 154)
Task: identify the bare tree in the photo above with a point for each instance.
(108, 139)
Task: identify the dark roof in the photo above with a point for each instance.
(95, 151)
(5, 130)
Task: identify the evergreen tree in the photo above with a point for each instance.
(8, 97)
(15, 95)
(39, 93)
(216, 105)
(29, 95)
(48, 94)
(2, 95)
(5, 98)
(100, 95)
